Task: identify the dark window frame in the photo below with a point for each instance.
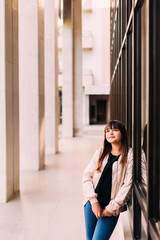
(123, 54)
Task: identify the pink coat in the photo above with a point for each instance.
(121, 182)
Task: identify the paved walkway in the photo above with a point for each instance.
(50, 203)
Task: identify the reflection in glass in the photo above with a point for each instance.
(144, 90)
(144, 160)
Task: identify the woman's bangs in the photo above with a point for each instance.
(112, 125)
(115, 125)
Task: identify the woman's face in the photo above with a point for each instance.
(113, 135)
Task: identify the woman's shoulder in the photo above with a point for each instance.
(93, 161)
(97, 153)
(130, 150)
(130, 154)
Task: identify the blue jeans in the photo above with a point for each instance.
(98, 229)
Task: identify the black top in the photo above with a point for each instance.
(103, 188)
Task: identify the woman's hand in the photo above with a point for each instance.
(96, 210)
(106, 213)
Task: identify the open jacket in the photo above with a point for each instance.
(121, 182)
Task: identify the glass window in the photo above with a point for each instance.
(144, 91)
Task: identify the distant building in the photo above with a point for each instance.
(95, 62)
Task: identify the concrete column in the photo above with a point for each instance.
(109, 110)
(41, 93)
(87, 113)
(51, 77)
(31, 74)
(77, 66)
(9, 117)
(84, 107)
(67, 88)
(72, 69)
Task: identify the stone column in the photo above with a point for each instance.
(31, 74)
(41, 93)
(87, 113)
(51, 77)
(72, 69)
(77, 66)
(67, 88)
(9, 117)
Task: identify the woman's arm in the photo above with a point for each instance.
(96, 209)
(87, 181)
(124, 191)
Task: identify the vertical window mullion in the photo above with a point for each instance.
(154, 120)
(137, 118)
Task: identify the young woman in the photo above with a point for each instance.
(107, 183)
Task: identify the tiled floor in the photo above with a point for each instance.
(50, 203)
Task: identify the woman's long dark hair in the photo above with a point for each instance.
(107, 147)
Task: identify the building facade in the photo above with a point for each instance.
(95, 61)
(29, 89)
(135, 87)
(95, 80)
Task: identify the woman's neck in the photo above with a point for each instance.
(116, 149)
